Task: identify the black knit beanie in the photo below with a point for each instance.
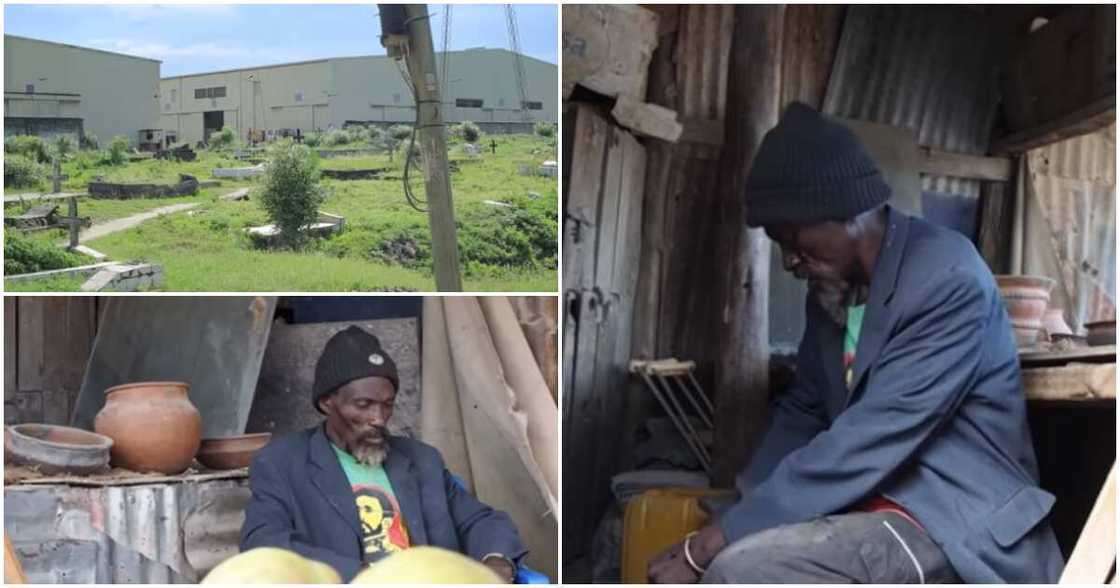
(349, 355)
(810, 169)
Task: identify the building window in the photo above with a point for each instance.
(397, 98)
(468, 103)
(299, 96)
(501, 101)
(530, 105)
(30, 88)
(216, 92)
(173, 94)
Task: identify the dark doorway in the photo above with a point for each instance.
(212, 121)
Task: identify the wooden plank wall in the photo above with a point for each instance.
(602, 236)
(47, 342)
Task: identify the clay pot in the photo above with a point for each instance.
(230, 453)
(1054, 323)
(1026, 299)
(57, 450)
(1102, 333)
(153, 425)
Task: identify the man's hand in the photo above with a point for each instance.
(671, 567)
(501, 566)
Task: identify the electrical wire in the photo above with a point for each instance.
(418, 204)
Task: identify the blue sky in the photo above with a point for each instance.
(207, 37)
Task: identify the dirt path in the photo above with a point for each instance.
(123, 224)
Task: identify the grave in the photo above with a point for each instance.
(187, 186)
(326, 225)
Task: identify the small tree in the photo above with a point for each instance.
(223, 139)
(544, 129)
(392, 137)
(312, 139)
(468, 131)
(118, 150)
(291, 193)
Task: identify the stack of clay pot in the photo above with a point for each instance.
(1026, 299)
(153, 425)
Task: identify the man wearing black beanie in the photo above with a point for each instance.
(348, 493)
(901, 452)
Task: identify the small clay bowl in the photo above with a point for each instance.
(231, 453)
(57, 450)
(1101, 333)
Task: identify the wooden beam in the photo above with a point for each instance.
(962, 165)
(702, 131)
(1095, 553)
(1093, 117)
(743, 366)
(650, 120)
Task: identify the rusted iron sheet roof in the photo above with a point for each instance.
(931, 69)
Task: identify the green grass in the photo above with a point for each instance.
(57, 284)
(501, 248)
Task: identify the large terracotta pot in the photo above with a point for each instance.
(153, 425)
(1026, 299)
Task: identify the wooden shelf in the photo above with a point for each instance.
(1041, 358)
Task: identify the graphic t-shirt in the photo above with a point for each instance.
(383, 530)
(851, 340)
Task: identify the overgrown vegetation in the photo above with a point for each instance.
(23, 255)
(506, 244)
(223, 139)
(468, 131)
(28, 146)
(117, 153)
(544, 129)
(291, 193)
(62, 147)
(21, 171)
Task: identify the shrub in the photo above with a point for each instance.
(63, 147)
(89, 142)
(223, 139)
(23, 255)
(400, 132)
(28, 146)
(544, 129)
(21, 171)
(312, 139)
(291, 193)
(336, 137)
(468, 131)
(118, 151)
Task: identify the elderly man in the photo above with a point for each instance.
(901, 452)
(348, 493)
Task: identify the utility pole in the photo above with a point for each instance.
(409, 35)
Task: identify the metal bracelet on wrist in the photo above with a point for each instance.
(688, 556)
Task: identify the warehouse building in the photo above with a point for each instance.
(54, 88)
(480, 85)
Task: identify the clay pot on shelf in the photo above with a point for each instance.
(1054, 323)
(1026, 299)
(1101, 332)
(153, 425)
(229, 453)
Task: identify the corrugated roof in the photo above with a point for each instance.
(930, 69)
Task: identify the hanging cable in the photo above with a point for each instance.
(414, 201)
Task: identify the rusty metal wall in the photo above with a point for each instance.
(931, 69)
(146, 534)
(1070, 231)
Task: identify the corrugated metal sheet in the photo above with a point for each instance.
(931, 69)
(1071, 226)
(147, 534)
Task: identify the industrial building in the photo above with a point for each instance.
(480, 85)
(55, 88)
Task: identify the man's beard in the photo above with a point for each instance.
(833, 296)
(371, 449)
